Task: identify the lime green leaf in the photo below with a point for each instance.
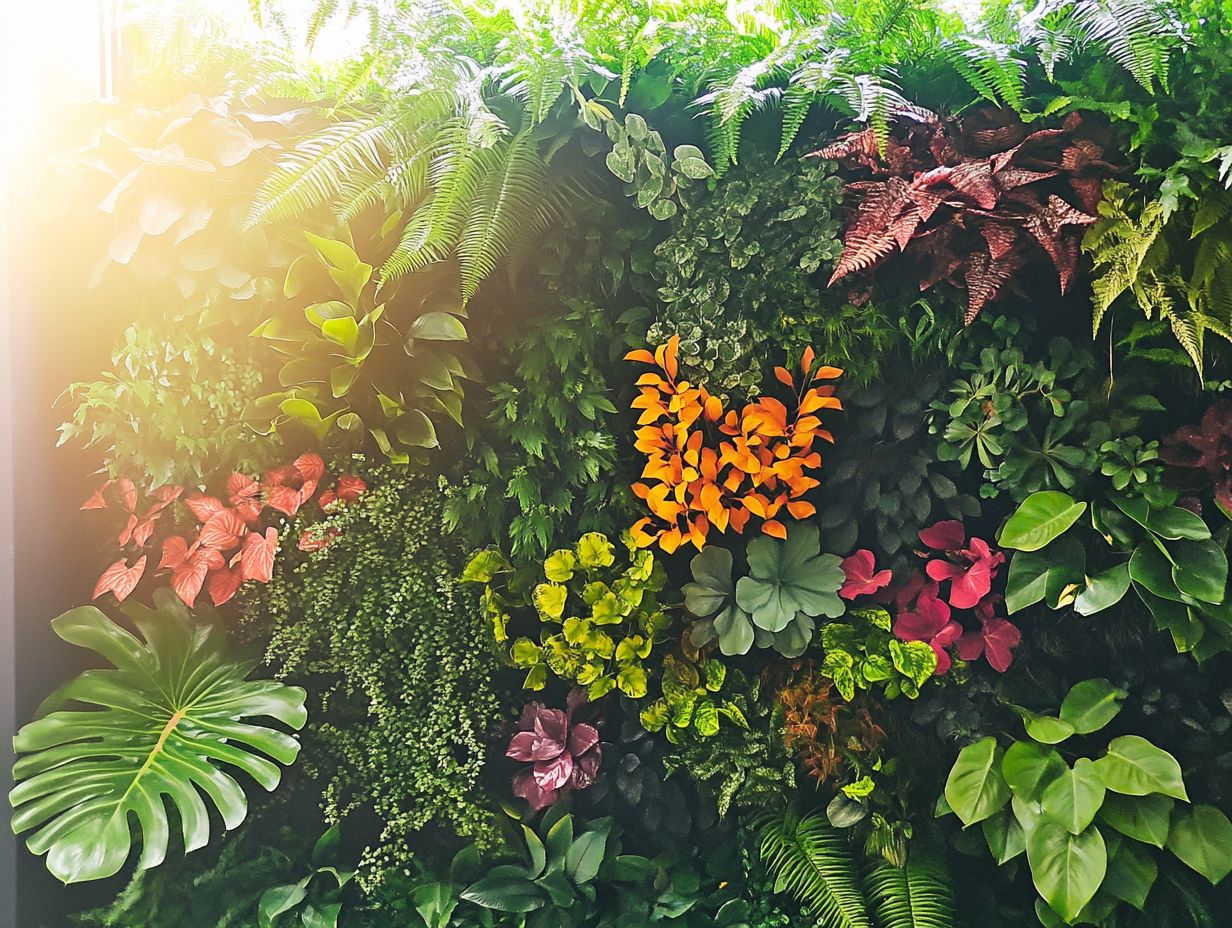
(976, 788)
(1042, 517)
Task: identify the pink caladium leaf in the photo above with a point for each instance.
(284, 499)
(564, 755)
(97, 500)
(222, 584)
(350, 488)
(189, 577)
(310, 467)
(120, 579)
(223, 530)
(127, 492)
(862, 576)
(257, 555)
(203, 506)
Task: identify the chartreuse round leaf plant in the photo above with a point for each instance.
(1085, 823)
(171, 723)
(593, 618)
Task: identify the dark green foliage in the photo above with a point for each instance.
(172, 409)
(742, 277)
(1035, 417)
(545, 454)
(400, 662)
(883, 480)
(744, 766)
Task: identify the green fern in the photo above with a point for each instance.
(993, 70)
(915, 896)
(811, 860)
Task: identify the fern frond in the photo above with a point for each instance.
(796, 103)
(915, 896)
(992, 70)
(811, 860)
(1139, 35)
(509, 204)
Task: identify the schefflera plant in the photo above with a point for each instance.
(1087, 827)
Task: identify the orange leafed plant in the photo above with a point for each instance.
(826, 734)
(708, 467)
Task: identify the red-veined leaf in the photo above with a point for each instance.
(222, 584)
(310, 467)
(120, 579)
(257, 555)
(223, 530)
(203, 506)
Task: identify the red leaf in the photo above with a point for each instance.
(120, 579)
(145, 528)
(175, 552)
(948, 535)
(862, 578)
(223, 530)
(257, 556)
(242, 487)
(249, 510)
(127, 493)
(222, 584)
(203, 506)
(350, 487)
(310, 467)
(165, 496)
(97, 500)
(126, 533)
(189, 577)
(281, 476)
(284, 499)
(329, 496)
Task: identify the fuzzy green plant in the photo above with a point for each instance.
(400, 661)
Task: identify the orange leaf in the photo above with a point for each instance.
(640, 354)
(828, 373)
(775, 529)
(784, 377)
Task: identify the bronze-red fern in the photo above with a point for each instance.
(972, 202)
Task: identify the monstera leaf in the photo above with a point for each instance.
(169, 724)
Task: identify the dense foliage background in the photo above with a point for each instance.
(611, 463)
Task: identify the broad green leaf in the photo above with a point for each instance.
(1091, 704)
(505, 892)
(1045, 729)
(170, 718)
(586, 853)
(1135, 767)
(1004, 835)
(1131, 873)
(438, 326)
(435, 903)
(549, 600)
(1103, 590)
(559, 565)
(1042, 517)
(1201, 837)
(976, 788)
(1028, 768)
(1171, 522)
(1067, 869)
(1073, 798)
(484, 565)
(1200, 569)
(1143, 818)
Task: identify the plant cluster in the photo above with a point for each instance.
(497, 689)
(700, 480)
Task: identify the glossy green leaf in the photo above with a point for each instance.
(1143, 818)
(1103, 591)
(1067, 869)
(1073, 798)
(1131, 873)
(1201, 836)
(1091, 704)
(1042, 517)
(170, 718)
(976, 788)
(1135, 767)
(1029, 767)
